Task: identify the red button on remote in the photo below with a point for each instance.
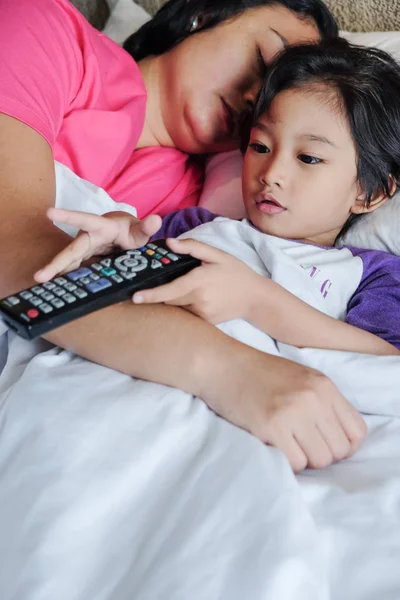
(166, 261)
(33, 313)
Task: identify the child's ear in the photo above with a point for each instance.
(377, 201)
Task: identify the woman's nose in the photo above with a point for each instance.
(250, 95)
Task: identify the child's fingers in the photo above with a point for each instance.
(197, 249)
(141, 231)
(81, 220)
(177, 292)
(67, 259)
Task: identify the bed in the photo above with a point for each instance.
(113, 488)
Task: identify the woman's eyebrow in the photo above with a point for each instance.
(284, 41)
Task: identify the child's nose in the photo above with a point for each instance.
(273, 172)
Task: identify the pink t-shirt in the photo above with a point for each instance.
(85, 95)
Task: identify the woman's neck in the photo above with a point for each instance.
(154, 131)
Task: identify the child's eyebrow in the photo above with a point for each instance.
(308, 136)
(318, 138)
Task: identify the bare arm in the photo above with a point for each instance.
(290, 320)
(276, 400)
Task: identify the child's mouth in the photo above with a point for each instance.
(266, 203)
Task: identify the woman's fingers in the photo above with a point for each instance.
(68, 259)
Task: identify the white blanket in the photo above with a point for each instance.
(113, 489)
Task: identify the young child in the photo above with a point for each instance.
(323, 149)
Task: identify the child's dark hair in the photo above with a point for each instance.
(367, 85)
(173, 22)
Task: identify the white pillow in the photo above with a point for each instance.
(222, 192)
(125, 18)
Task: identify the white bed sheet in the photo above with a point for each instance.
(112, 489)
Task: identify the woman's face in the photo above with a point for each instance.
(211, 77)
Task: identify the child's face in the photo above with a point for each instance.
(302, 157)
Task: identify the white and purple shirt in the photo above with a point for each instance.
(358, 286)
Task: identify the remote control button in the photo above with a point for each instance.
(129, 275)
(85, 280)
(94, 277)
(71, 287)
(117, 278)
(37, 290)
(80, 293)
(134, 253)
(162, 251)
(57, 303)
(49, 285)
(47, 296)
(157, 256)
(13, 300)
(69, 298)
(150, 252)
(60, 281)
(108, 271)
(155, 264)
(26, 295)
(166, 261)
(35, 301)
(143, 248)
(152, 246)
(46, 308)
(98, 286)
(59, 291)
(172, 256)
(33, 313)
(106, 262)
(96, 267)
(25, 317)
(78, 274)
(131, 263)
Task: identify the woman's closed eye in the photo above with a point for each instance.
(261, 65)
(310, 160)
(259, 148)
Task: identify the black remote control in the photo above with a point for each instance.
(114, 278)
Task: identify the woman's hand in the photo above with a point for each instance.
(217, 291)
(98, 235)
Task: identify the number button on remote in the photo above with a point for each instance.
(13, 300)
(26, 295)
(35, 301)
(80, 293)
(45, 308)
(57, 303)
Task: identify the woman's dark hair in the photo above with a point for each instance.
(366, 88)
(173, 22)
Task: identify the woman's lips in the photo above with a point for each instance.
(268, 204)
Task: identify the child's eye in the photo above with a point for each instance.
(259, 148)
(309, 160)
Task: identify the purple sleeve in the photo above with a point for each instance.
(375, 306)
(184, 220)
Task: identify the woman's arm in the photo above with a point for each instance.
(290, 320)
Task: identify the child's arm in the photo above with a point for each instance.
(225, 288)
(290, 320)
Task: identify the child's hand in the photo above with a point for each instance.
(217, 291)
(98, 235)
